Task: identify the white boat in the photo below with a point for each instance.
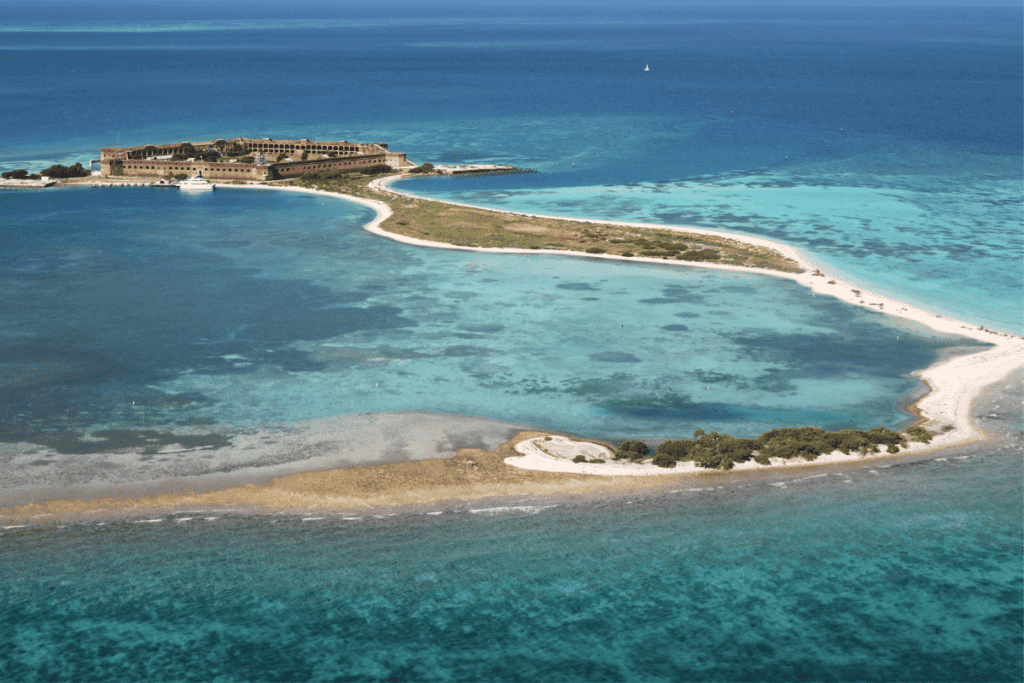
(647, 67)
(195, 184)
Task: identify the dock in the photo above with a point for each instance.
(469, 170)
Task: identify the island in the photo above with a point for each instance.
(536, 463)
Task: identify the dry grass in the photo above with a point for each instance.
(473, 474)
(464, 226)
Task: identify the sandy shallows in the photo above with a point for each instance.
(248, 455)
(472, 474)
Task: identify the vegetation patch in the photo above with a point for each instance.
(466, 226)
(722, 451)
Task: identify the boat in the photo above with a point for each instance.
(195, 184)
(647, 67)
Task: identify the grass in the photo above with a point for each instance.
(470, 227)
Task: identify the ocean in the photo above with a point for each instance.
(885, 143)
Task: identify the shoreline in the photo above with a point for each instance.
(953, 385)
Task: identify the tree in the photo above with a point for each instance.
(246, 160)
(58, 171)
(634, 450)
(663, 460)
(673, 452)
(427, 167)
(375, 169)
(305, 154)
(18, 174)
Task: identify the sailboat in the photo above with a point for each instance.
(647, 67)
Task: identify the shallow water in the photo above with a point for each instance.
(249, 307)
(894, 572)
(140, 310)
(920, 224)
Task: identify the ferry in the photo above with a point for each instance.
(195, 184)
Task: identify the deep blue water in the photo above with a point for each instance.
(884, 142)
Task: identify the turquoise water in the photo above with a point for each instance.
(896, 573)
(253, 307)
(922, 224)
(885, 142)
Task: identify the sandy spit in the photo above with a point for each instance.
(954, 382)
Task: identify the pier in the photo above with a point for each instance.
(472, 170)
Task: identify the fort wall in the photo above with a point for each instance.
(297, 168)
(210, 170)
(140, 161)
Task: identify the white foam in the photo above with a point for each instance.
(147, 521)
(524, 509)
(16, 526)
(312, 519)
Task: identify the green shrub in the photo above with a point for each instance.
(597, 461)
(664, 460)
(58, 171)
(375, 169)
(19, 174)
(247, 160)
(700, 255)
(580, 458)
(676, 451)
(627, 253)
(634, 450)
(595, 250)
(919, 434)
(722, 451)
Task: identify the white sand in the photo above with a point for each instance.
(954, 383)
